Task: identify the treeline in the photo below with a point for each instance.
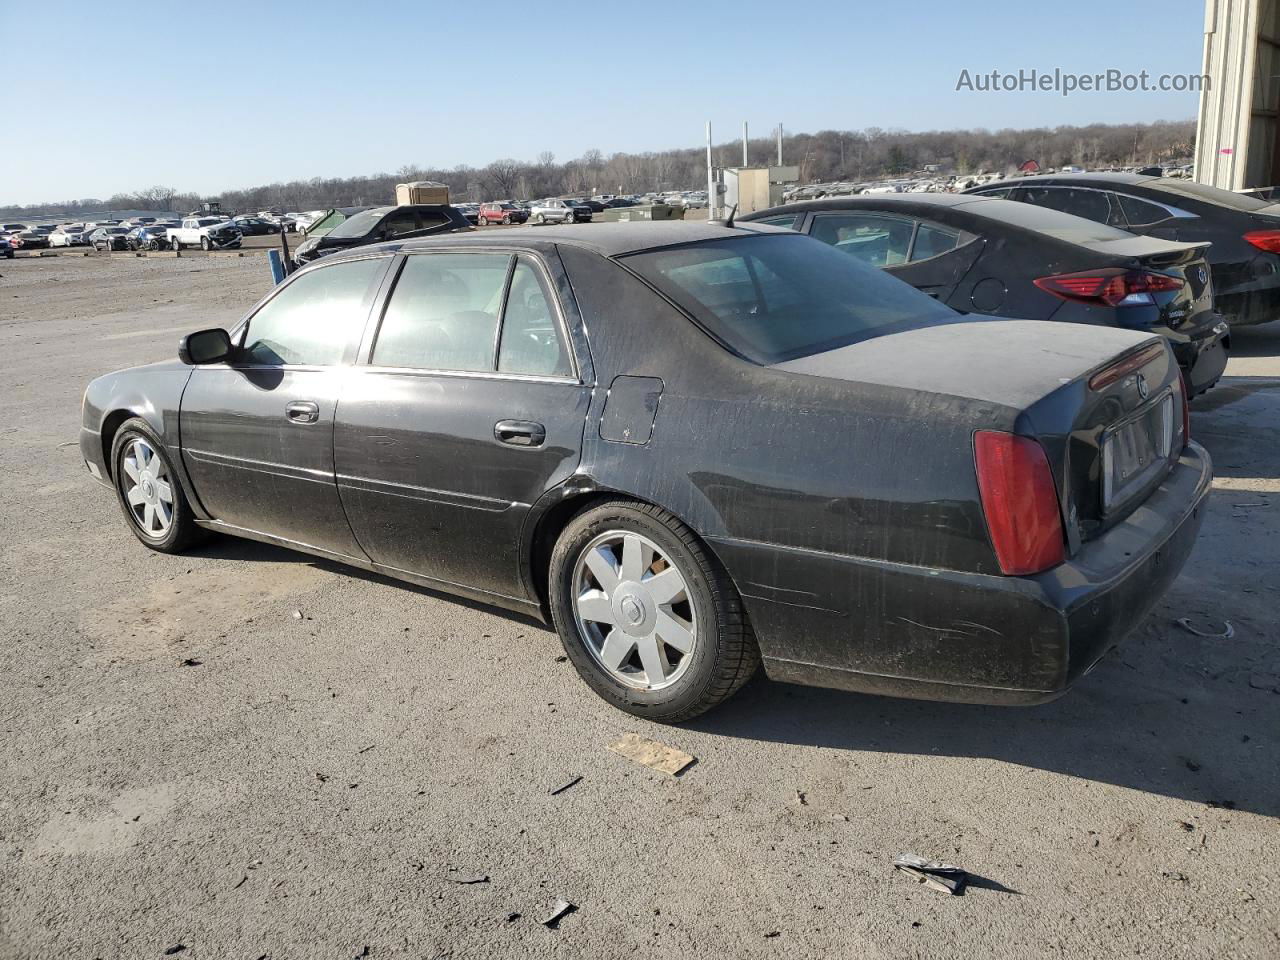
(824, 156)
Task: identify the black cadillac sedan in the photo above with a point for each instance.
(985, 255)
(1244, 231)
(689, 447)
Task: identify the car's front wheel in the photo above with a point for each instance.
(149, 490)
(153, 245)
(205, 245)
(646, 614)
(506, 219)
(537, 218)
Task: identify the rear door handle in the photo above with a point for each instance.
(303, 411)
(520, 433)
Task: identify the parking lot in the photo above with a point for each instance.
(247, 752)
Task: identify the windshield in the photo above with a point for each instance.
(361, 224)
(776, 298)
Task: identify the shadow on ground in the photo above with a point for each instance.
(1111, 729)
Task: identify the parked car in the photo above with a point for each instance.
(504, 212)
(595, 206)
(381, 224)
(1245, 232)
(152, 236)
(109, 238)
(828, 470)
(557, 211)
(69, 235)
(13, 227)
(470, 212)
(208, 233)
(254, 226)
(9, 244)
(36, 237)
(997, 257)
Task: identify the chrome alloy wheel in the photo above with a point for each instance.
(633, 608)
(147, 489)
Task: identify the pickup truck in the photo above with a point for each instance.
(210, 233)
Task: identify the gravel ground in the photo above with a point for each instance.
(345, 749)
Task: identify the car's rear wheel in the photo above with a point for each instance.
(149, 490)
(647, 615)
(153, 245)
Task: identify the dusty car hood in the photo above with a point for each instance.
(1010, 362)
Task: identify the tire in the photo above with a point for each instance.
(506, 220)
(175, 244)
(147, 518)
(538, 219)
(153, 245)
(205, 245)
(706, 613)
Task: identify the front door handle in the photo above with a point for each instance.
(520, 433)
(303, 411)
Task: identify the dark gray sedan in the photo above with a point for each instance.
(689, 447)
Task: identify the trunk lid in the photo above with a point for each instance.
(1093, 397)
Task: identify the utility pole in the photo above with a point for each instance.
(779, 144)
(744, 144)
(711, 179)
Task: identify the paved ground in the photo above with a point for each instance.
(316, 786)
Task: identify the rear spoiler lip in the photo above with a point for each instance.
(1142, 248)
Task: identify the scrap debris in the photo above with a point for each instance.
(469, 878)
(559, 911)
(653, 754)
(1226, 634)
(943, 877)
(565, 786)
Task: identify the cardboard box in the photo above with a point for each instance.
(421, 191)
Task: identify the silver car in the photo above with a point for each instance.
(553, 211)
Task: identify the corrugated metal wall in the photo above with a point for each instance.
(1236, 141)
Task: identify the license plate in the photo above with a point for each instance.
(1134, 451)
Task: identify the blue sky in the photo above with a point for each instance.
(140, 93)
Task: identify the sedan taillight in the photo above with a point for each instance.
(1268, 240)
(1020, 502)
(1112, 286)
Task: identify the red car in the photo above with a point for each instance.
(501, 213)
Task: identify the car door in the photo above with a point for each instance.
(257, 431)
(468, 407)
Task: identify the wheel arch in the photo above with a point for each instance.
(557, 509)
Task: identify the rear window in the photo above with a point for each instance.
(773, 298)
(1054, 223)
(1198, 191)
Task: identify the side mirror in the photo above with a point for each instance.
(205, 346)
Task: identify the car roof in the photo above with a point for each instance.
(1125, 178)
(606, 239)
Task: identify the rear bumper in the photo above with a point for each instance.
(1250, 304)
(907, 631)
(1203, 359)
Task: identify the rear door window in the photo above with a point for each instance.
(932, 241)
(788, 221)
(443, 313)
(1141, 213)
(881, 241)
(1090, 204)
(531, 342)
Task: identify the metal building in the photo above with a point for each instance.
(1239, 117)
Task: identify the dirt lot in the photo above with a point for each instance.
(316, 787)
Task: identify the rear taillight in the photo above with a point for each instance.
(1109, 375)
(1111, 286)
(1268, 240)
(1020, 502)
